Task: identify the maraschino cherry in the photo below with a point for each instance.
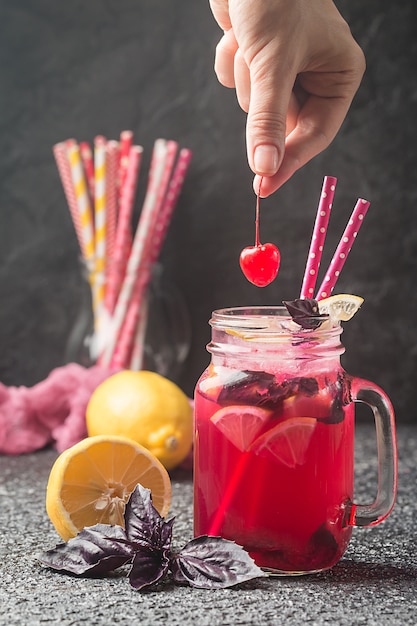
(260, 263)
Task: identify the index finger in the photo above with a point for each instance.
(220, 10)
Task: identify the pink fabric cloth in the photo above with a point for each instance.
(51, 412)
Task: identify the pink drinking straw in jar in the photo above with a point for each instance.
(343, 249)
(318, 237)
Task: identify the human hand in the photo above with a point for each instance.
(296, 68)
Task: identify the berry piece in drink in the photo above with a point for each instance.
(262, 389)
(287, 442)
(339, 397)
(323, 547)
(260, 263)
(318, 405)
(250, 388)
(241, 424)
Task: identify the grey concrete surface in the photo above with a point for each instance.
(375, 583)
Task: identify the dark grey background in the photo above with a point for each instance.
(84, 67)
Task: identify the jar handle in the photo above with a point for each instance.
(374, 397)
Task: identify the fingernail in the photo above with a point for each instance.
(266, 160)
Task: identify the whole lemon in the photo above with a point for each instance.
(146, 407)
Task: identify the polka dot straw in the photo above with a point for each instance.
(319, 235)
(343, 249)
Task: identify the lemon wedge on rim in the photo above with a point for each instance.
(341, 307)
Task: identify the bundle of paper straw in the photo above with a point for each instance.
(100, 183)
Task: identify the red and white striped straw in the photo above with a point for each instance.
(123, 231)
(126, 141)
(171, 148)
(318, 237)
(112, 163)
(88, 164)
(343, 249)
(143, 234)
(129, 335)
(150, 251)
(62, 162)
(171, 199)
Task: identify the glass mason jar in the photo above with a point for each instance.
(274, 441)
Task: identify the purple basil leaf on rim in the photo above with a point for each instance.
(212, 562)
(149, 566)
(305, 312)
(95, 550)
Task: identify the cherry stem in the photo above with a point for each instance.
(258, 202)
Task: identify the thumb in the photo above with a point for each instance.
(266, 121)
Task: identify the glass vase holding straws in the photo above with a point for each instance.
(164, 332)
(138, 318)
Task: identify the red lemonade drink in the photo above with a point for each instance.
(274, 441)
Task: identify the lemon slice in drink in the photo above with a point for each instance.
(341, 307)
(241, 424)
(288, 442)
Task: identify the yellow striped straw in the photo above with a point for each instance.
(83, 202)
(100, 222)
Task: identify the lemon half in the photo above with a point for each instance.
(91, 482)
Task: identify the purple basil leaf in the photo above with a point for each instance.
(213, 562)
(305, 312)
(149, 566)
(144, 526)
(95, 550)
(248, 388)
(308, 386)
(277, 393)
(262, 389)
(140, 515)
(162, 535)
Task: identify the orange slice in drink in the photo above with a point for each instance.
(91, 482)
(287, 442)
(241, 424)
